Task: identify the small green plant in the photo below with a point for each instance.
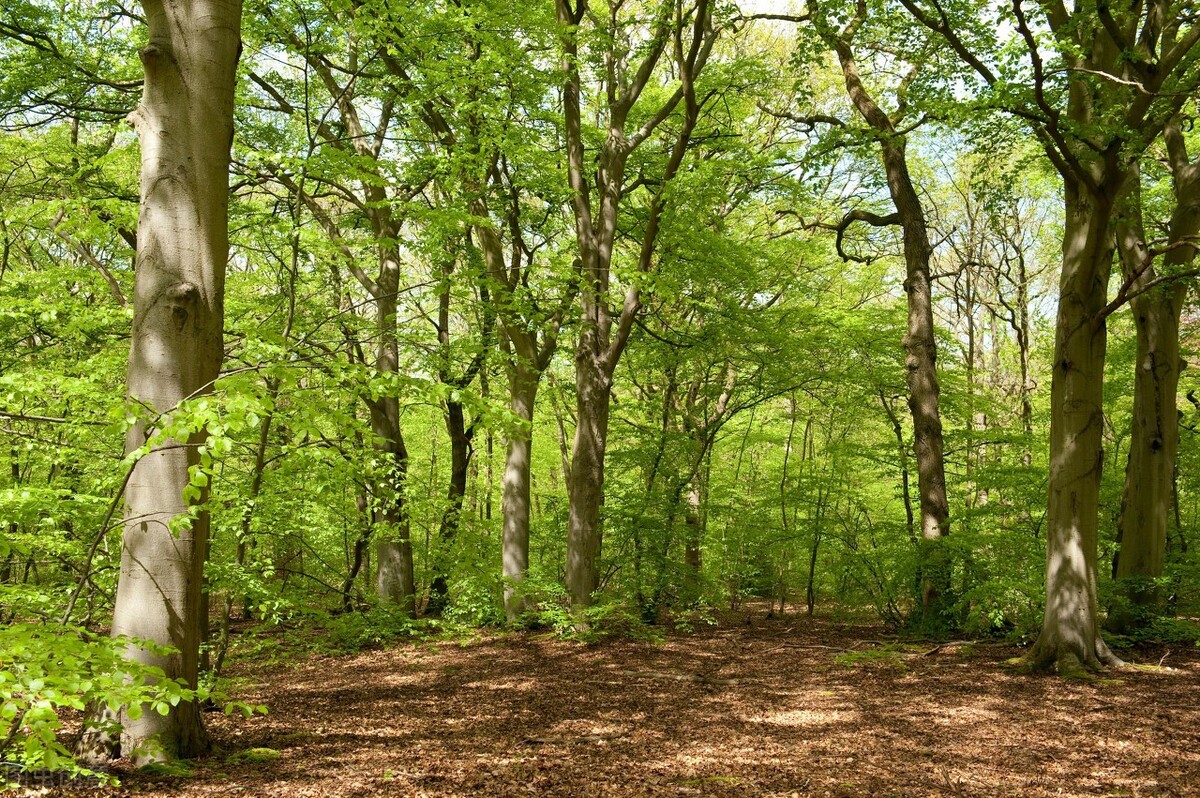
(253, 756)
(378, 626)
(611, 618)
(608, 617)
(691, 619)
(476, 602)
(888, 657)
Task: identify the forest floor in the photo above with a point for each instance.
(783, 707)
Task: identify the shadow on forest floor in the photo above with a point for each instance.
(782, 707)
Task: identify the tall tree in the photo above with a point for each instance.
(185, 124)
(1157, 302)
(359, 176)
(920, 344)
(686, 32)
(1098, 81)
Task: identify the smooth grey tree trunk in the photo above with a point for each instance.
(528, 351)
(585, 483)
(185, 126)
(1129, 73)
(604, 333)
(924, 393)
(523, 387)
(920, 346)
(394, 578)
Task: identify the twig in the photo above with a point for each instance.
(950, 644)
(581, 740)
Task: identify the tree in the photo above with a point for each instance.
(688, 34)
(356, 144)
(920, 345)
(185, 124)
(1156, 302)
(1116, 75)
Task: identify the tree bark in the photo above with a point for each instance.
(394, 579)
(920, 349)
(1070, 638)
(185, 125)
(460, 435)
(585, 483)
(1146, 501)
(523, 387)
(604, 333)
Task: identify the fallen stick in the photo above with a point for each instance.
(581, 740)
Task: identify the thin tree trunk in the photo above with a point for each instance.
(920, 345)
(245, 540)
(185, 125)
(693, 520)
(358, 556)
(902, 451)
(460, 462)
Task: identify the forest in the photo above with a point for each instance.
(646, 362)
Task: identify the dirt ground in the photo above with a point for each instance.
(784, 707)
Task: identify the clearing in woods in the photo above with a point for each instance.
(770, 707)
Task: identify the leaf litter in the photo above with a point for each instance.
(753, 707)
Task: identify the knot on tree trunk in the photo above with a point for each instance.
(181, 298)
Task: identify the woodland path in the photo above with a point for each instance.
(774, 708)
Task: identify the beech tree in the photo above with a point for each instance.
(685, 33)
(1117, 75)
(696, 235)
(359, 139)
(185, 126)
(892, 129)
(1157, 300)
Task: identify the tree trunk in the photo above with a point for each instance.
(245, 538)
(693, 519)
(460, 462)
(902, 454)
(1149, 475)
(1070, 638)
(185, 125)
(358, 556)
(604, 334)
(920, 349)
(523, 386)
(920, 346)
(394, 580)
(585, 484)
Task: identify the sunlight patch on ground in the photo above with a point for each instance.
(965, 716)
(806, 717)
(506, 686)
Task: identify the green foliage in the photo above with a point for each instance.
(180, 769)
(45, 669)
(759, 424)
(378, 627)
